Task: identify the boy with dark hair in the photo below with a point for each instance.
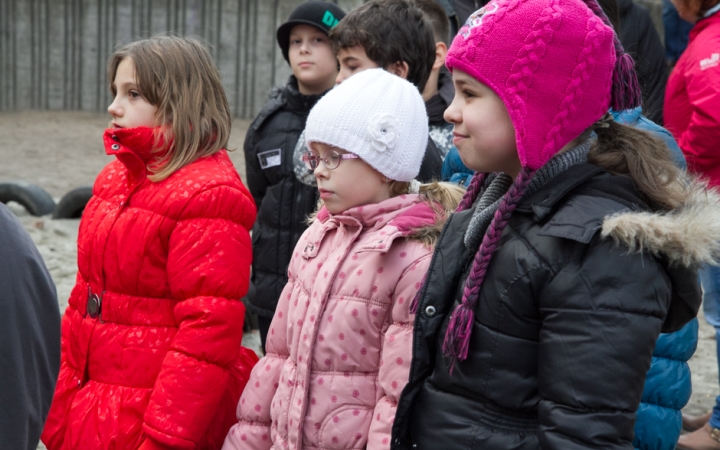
(394, 35)
(439, 91)
(283, 202)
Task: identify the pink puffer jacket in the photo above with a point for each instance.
(339, 346)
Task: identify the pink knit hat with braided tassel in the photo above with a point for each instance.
(558, 67)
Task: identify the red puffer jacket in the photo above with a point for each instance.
(692, 100)
(151, 354)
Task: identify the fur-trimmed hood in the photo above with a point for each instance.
(688, 236)
(586, 201)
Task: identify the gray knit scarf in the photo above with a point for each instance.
(489, 202)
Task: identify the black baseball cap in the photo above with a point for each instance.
(319, 14)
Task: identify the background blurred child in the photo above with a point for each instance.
(151, 354)
(283, 201)
(439, 90)
(339, 344)
(396, 36)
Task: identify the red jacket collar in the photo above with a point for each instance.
(702, 24)
(133, 147)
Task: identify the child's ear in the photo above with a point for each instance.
(441, 51)
(400, 69)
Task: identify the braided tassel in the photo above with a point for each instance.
(626, 93)
(457, 336)
(472, 191)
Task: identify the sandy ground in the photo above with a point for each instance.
(63, 150)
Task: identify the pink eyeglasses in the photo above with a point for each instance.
(331, 159)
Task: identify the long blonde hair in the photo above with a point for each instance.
(442, 197)
(178, 75)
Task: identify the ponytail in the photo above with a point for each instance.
(624, 150)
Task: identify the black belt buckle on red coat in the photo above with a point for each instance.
(94, 304)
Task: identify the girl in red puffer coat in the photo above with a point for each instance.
(151, 354)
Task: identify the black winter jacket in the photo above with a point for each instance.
(283, 202)
(564, 327)
(29, 337)
(641, 40)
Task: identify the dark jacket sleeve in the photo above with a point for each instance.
(600, 317)
(29, 337)
(641, 39)
(431, 167)
(256, 180)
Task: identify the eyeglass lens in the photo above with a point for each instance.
(331, 159)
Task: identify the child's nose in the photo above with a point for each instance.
(452, 113)
(114, 109)
(320, 171)
(340, 76)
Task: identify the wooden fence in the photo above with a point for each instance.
(53, 53)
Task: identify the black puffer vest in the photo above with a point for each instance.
(283, 202)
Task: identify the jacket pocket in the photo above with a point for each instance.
(346, 427)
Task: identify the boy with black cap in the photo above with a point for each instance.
(283, 202)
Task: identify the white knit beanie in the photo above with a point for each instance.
(378, 116)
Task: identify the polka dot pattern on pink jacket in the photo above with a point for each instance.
(339, 345)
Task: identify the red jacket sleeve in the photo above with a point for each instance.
(700, 141)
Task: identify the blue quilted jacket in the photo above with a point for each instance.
(667, 390)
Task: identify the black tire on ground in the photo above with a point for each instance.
(32, 197)
(72, 204)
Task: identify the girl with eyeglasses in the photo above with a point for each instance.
(338, 347)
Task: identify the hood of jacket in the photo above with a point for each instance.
(395, 217)
(683, 239)
(687, 236)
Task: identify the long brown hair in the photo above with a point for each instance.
(625, 150)
(178, 75)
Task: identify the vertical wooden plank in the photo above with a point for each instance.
(46, 57)
(55, 54)
(238, 51)
(98, 55)
(33, 53)
(14, 57)
(81, 58)
(3, 56)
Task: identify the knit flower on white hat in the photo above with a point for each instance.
(382, 129)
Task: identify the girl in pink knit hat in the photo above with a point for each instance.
(575, 245)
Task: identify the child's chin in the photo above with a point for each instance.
(335, 209)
